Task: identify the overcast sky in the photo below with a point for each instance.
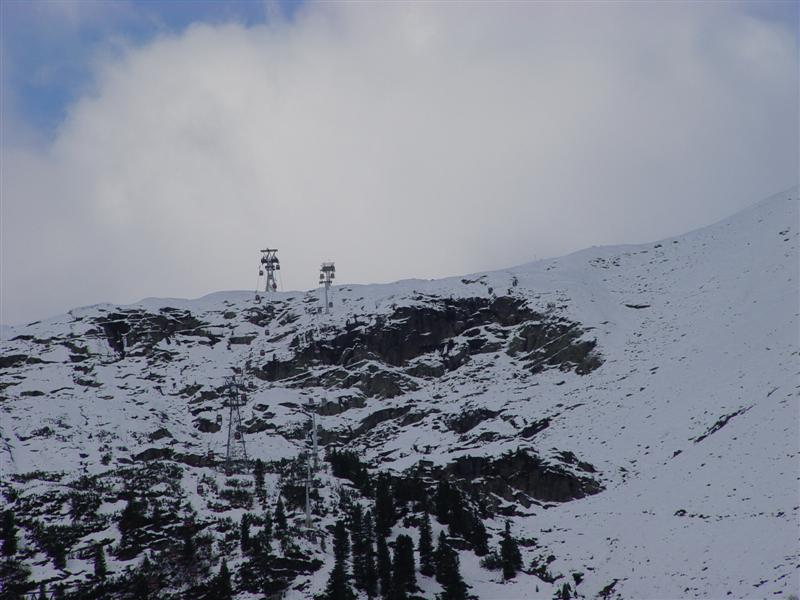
(151, 149)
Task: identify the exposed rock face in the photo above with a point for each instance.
(464, 422)
(380, 416)
(137, 332)
(382, 356)
(521, 477)
(206, 426)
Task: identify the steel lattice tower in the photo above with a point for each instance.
(268, 265)
(327, 273)
(235, 449)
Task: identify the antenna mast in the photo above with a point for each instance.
(315, 441)
(308, 495)
(235, 449)
(269, 264)
(312, 462)
(327, 273)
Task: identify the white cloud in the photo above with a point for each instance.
(399, 140)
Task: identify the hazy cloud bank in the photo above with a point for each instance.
(399, 140)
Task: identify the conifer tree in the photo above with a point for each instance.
(426, 565)
(281, 526)
(370, 568)
(404, 578)
(478, 537)
(188, 547)
(266, 529)
(384, 506)
(59, 555)
(384, 565)
(42, 592)
(458, 517)
(8, 533)
(258, 476)
(14, 579)
(338, 587)
(156, 517)
(244, 533)
(442, 501)
(256, 571)
(100, 567)
(510, 556)
(141, 581)
(447, 571)
(563, 593)
(132, 520)
(356, 524)
(221, 588)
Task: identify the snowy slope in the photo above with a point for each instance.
(690, 422)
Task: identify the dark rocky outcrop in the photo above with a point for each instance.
(469, 419)
(16, 360)
(206, 426)
(447, 332)
(379, 416)
(136, 332)
(338, 406)
(159, 434)
(153, 454)
(522, 476)
(531, 430)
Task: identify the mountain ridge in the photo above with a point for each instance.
(648, 388)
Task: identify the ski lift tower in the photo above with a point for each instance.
(314, 437)
(235, 449)
(269, 264)
(309, 483)
(327, 272)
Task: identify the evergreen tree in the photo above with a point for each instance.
(248, 578)
(267, 527)
(404, 578)
(221, 588)
(59, 555)
(563, 593)
(157, 517)
(59, 593)
(458, 517)
(453, 508)
(258, 476)
(384, 506)
(100, 567)
(356, 525)
(281, 526)
(478, 537)
(140, 586)
(42, 592)
(447, 571)
(426, 566)
(370, 568)
(338, 587)
(14, 579)
(255, 572)
(188, 545)
(8, 533)
(131, 521)
(510, 556)
(341, 542)
(346, 464)
(442, 501)
(244, 528)
(384, 566)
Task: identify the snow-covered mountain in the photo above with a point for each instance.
(632, 410)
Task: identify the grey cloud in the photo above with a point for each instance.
(399, 140)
